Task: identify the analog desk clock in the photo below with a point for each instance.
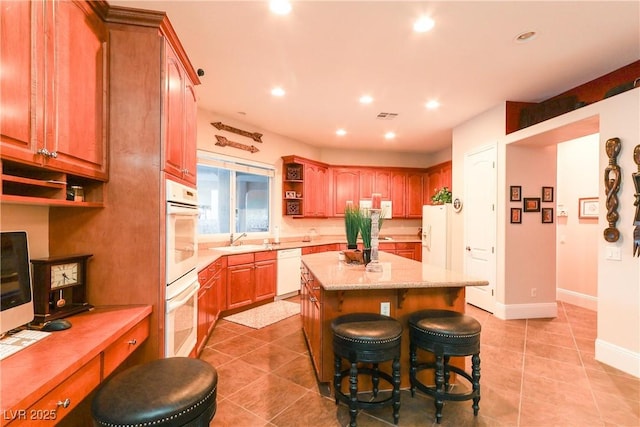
(59, 287)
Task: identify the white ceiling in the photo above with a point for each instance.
(326, 54)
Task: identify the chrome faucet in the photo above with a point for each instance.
(232, 241)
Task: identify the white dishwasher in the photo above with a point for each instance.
(288, 283)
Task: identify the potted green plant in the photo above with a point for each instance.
(442, 196)
(352, 222)
(365, 232)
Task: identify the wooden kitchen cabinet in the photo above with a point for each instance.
(251, 277)
(180, 159)
(411, 250)
(414, 192)
(438, 176)
(305, 185)
(346, 187)
(310, 314)
(398, 196)
(54, 100)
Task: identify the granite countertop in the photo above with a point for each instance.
(398, 273)
(208, 255)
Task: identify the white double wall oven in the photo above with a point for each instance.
(181, 269)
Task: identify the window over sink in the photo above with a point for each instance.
(234, 196)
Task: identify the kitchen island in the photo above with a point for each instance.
(331, 288)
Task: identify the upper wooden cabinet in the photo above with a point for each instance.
(54, 86)
(437, 176)
(406, 188)
(180, 119)
(305, 184)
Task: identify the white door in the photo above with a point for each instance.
(480, 177)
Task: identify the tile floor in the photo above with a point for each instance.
(539, 372)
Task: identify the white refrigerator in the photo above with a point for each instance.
(436, 235)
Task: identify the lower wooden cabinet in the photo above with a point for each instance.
(251, 278)
(411, 250)
(210, 299)
(310, 313)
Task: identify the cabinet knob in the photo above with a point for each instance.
(313, 299)
(64, 403)
(53, 154)
(132, 342)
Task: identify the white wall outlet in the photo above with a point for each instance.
(385, 308)
(534, 292)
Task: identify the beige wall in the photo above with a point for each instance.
(577, 239)
(275, 146)
(529, 251)
(618, 282)
(32, 219)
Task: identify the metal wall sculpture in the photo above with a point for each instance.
(612, 178)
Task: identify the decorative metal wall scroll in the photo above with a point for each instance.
(636, 219)
(253, 135)
(612, 185)
(224, 142)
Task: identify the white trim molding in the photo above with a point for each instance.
(618, 357)
(526, 311)
(576, 298)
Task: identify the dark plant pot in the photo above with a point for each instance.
(366, 256)
(350, 247)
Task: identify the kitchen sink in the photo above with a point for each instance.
(239, 248)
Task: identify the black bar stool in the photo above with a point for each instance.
(367, 338)
(173, 392)
(445, 333)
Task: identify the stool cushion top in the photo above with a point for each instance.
(367, 327)
(163, 392)
(445, 323)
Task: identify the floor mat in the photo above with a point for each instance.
(265, 315)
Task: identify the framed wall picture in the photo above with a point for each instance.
(515, 193)
(516, 215)
(547, 194)
(588, 207)
(531, 204)
(547, 215)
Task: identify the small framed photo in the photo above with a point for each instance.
(547, 215)
(588, 207)
(531, 204)
(547, 194)
(290, 194)
(515, 193)
(516, 216)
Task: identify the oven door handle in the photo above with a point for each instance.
(174, 303)
(173, 209)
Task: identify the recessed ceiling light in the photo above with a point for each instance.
(277, 91)
(423, 24)
(366, 99)
(280, 7)
(341, 132)
(525, 37)
(432, 105)
(389, 135)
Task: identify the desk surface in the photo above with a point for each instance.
(28, 375)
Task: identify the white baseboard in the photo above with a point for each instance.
(526, 311)
(581, 300)
(618, 357)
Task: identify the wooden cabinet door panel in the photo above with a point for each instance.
(346, 187)
(190, 159)
(315, 190)
(265, 280)
(174, 85)
(17, 131)
(398, 188)
(382, 184)
(76, 89)
(240, 285)
(414, 193)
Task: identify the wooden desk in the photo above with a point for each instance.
(331, 288)
(68, 364)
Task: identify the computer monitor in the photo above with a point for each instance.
(16, 294)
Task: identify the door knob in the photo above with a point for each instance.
(468, 248)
